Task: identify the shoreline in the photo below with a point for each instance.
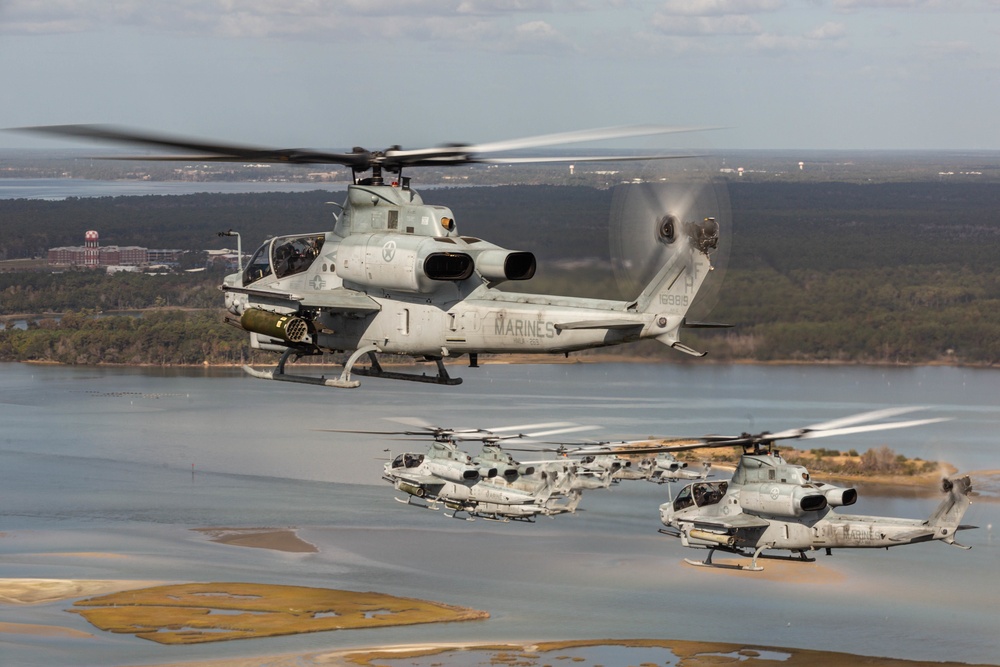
(533, 653)
(553, 358)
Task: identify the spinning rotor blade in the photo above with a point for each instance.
(580, 136)
(862, 417)
(211, 152)
(649, 225)
(530, 427)
(474, 152)
(847, 430)
(359, 159)
(843, 426)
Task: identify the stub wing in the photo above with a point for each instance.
(737, 521)
(338, 299)
(428, 482)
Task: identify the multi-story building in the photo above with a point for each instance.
(91, 254)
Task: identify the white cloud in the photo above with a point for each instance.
(705, 25)
(829, 30)
(719, 7)
(847, 5)
(952, 49)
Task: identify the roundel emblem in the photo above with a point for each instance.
(775, 492)
(389, 250)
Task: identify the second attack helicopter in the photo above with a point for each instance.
(395, 276)
(772, 505)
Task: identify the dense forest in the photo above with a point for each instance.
(871, 273)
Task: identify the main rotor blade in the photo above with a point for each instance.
(578, 158)
(861, 417)
(580, 136)
(359, 159)
(529, 427)
(847, 430)
(216, 152)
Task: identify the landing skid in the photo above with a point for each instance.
(344, 381)
(409, 501)
(753, 566)
(376, 371)
(279, 374)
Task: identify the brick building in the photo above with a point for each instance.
(92, 254)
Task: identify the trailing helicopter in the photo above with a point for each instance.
(394, 276)
(770, 504)
(662, 468)
(491, 485)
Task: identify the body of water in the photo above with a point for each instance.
(104, 472)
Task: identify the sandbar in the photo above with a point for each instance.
(39, 591)
(210, 612)
(41, 630)
(277, 539)
(537, 654)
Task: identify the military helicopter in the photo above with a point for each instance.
(662, 468)
(394, 275)
(491, 486)
(772, 505)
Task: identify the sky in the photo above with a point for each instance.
(775, 74)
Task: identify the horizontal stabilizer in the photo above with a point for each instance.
(913, 536)
(705, 325)
(687, 350)
(599, 324)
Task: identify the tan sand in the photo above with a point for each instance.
(278, 539)
(39, 591)
(535, 654)
(41, 630)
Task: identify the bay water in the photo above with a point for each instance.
(104, 472)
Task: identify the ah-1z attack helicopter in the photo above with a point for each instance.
(395, 276)
(491, 485)
(772, 505)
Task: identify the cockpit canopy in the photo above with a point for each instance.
(700, 494)
(407, 460)
(283, 256)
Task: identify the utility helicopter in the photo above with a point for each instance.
(394, 275)
(772, 505)
(491, 485)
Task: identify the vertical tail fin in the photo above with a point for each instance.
(673, 289)
(948, 515)
(675, 285)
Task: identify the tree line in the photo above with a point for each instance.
(828, 272)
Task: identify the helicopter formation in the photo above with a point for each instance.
(766, 505)
(492, 484)
(394, 276)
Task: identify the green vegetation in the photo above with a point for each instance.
(889, 272)
(878, 461)
(183, 613)
(163, 337)
(42, 292)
